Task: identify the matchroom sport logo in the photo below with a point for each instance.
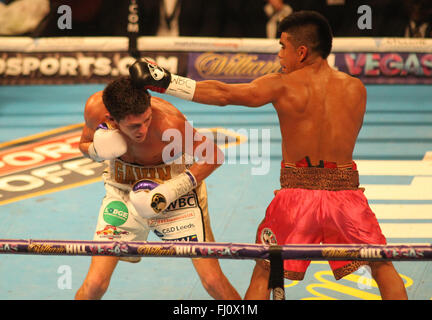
(51, 161)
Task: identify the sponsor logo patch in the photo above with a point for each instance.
(115, 213)
(110, 232)
(268, 237)
(193, 237)
(158, 202)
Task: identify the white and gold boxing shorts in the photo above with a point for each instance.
(185, 219)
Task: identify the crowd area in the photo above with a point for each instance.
(211, 18)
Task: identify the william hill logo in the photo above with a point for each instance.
(235, 66)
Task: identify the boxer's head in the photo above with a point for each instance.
(128, 107)
(304, 34)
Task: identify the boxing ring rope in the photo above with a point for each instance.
(367, 252)
(276, 254)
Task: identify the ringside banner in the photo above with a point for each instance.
(76, 67)
(99, 60)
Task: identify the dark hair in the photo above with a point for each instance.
(121, 98)
(311, 29)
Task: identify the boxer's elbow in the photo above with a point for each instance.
(83, 147)
(220, 157)
(214, 159)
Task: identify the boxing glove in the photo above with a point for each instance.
(107, 144)
(150, 198)
(147, 74)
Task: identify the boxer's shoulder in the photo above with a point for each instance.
(356, 84)
(165, 107)
(95, 103)
(95, 100)
(94, 110)
(166, 115)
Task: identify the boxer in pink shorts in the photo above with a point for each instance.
(319, 205)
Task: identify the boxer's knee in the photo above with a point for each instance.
(210, 273)
(210, 282)
(94, 287)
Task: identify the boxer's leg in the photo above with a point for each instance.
(389, 282)
(208, 269)
(258, 287)
(98, 278)
(213, 279)
(117, 221)
(281, 226)
(351, 221)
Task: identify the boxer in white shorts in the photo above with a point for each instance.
(125, 126)
(185, 219)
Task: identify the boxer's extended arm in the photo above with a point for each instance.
(257, 93)
(145, 74)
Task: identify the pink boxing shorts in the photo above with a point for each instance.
(319, 205)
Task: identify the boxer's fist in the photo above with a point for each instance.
(107, 144)
(146, 205)
(151, 198)
(145, 74)
(148, 75)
